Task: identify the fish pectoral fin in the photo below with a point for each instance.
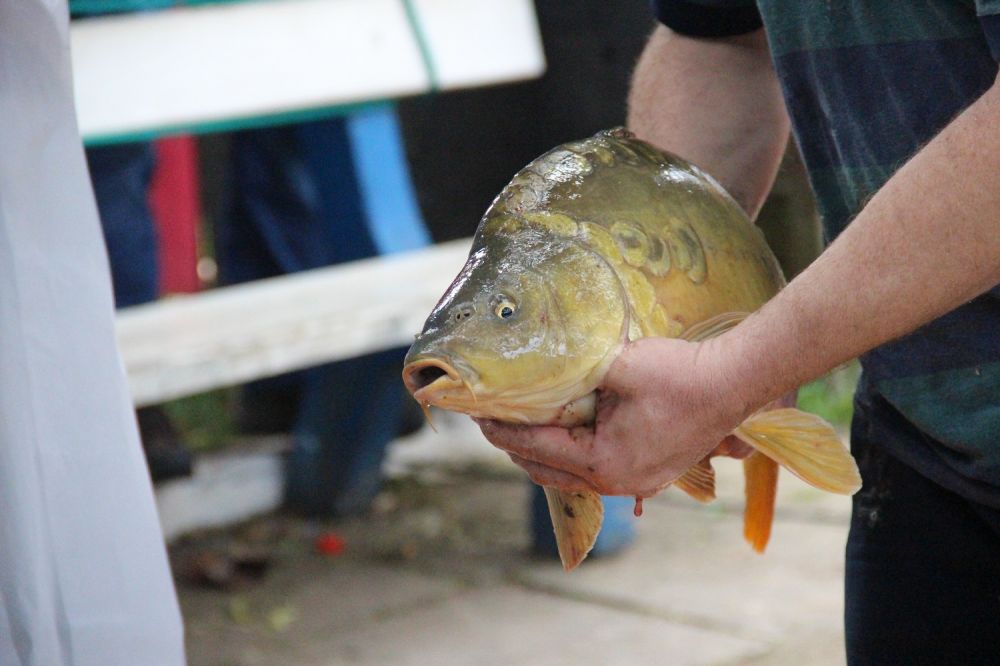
(698, 482)
(760, 474)
(805, 445)
(713, 326)
(576, 520)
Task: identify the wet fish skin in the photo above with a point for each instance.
(593, 244)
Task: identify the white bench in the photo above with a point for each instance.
(189, 344)
(193, 343)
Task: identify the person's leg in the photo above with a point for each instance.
(923, 564)
(350, 412)
(292, 204)
(121, 177)
(264, 201)
(295, 203)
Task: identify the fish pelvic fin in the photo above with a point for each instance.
(761, 486)
(698, 482)
(576, 520)
(805, 445)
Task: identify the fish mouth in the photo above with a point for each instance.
(428, 378)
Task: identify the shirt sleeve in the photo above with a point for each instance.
(709, 18)
(988, 12)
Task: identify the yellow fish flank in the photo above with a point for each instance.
(594, 244)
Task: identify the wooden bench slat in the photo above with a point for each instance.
(189, 344)
(136, 74)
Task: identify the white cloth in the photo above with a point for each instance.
(83, 570)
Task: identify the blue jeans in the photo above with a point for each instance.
(121, 176)
(302, 197)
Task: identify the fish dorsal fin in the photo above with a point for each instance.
(760, 474)
(805, 445)
(698, 482)
(713, 326)
(576, 520)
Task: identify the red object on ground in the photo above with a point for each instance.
(330, 543)
(174, 199)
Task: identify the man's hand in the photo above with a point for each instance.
(664, 405)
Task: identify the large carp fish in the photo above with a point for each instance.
(594, 244)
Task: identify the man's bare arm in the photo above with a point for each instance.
(927, 242)
(715, 102)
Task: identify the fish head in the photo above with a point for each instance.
(529, 325)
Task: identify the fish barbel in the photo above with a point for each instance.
(594, 244)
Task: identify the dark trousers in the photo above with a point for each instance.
(121, 176)
(295, 202)
(923, 563)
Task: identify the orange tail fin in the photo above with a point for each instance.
(761, 474)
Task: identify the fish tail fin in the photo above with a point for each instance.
(576, 520)
(698, 482)
(761, 477)
(805, 445)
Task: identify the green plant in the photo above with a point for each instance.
(832, 396)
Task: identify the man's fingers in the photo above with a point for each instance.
(547, 476)
(549, 446)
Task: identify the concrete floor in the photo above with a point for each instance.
(438, 573)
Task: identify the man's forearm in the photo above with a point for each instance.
(715, 102)
(928, 241)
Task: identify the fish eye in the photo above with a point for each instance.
(504, 308)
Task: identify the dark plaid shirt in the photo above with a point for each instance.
(867, 83)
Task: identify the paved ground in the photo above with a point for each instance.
(438, 574)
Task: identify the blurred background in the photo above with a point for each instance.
(284, 186)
